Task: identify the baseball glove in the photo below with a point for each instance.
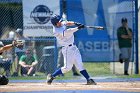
(3, 80)
(18, 44)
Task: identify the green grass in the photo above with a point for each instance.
(94, 69)
(130, 76)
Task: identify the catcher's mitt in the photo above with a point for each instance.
(18, 43)
(3, 80)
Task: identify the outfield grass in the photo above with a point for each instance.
(98, 68)
(94, 69)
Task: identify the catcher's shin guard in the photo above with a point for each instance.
(91, 82)
(49, 79)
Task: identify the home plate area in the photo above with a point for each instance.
(114, 86)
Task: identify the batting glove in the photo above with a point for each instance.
(81, 26)
(77, 24)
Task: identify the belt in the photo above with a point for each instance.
(69, 45)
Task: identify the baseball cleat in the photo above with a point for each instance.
(126, 73)
(91, 82)
(49, 79)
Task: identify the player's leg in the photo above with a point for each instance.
(126, 55)
(60, 62)
(6, 65)
(67, 66)
(60, 71)
(79, 65)
(74, 71)
(24, 71)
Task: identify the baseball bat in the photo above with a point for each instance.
(96, 27)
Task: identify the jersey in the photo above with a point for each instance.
(27, 60)
(123, 43)
(71, 54)
(64, 36)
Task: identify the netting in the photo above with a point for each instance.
(99, 49)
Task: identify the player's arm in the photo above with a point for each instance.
(35, 61)
(6, 47)
(70, 23)
(72, 30)
(23, 64)
(22, 61)
(129, 31)
(10, 46)
(129, 36)
(122, 35)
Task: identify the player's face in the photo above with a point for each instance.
(124, 24)
(28, 53)
(58, 24)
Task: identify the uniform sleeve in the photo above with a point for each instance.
(35, 58)
(22, 58)
(119, 32)
(71, 31)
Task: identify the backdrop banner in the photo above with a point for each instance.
(99, 45)
(36, 16)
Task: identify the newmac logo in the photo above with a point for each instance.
(41, 14)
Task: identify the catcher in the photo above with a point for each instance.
(16, 43)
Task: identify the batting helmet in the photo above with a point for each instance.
(3, 80)
(55, 19)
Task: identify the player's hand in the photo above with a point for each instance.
(77, 24)
(18, 44)
(81, 26)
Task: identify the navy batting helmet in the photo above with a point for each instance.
(55, 19)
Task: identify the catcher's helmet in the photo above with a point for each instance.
(3, 80)
(55, 19)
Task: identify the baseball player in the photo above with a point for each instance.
(71, 54)
(124, 34)
(3, 79)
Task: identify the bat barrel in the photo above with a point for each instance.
(96, 27)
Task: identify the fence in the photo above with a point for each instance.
(99, 49)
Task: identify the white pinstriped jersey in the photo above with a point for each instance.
(64, 36)
(71, 54)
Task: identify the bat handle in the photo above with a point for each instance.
(100, 28)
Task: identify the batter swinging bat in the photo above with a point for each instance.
(96, 27)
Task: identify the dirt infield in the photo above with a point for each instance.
(114, 86)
